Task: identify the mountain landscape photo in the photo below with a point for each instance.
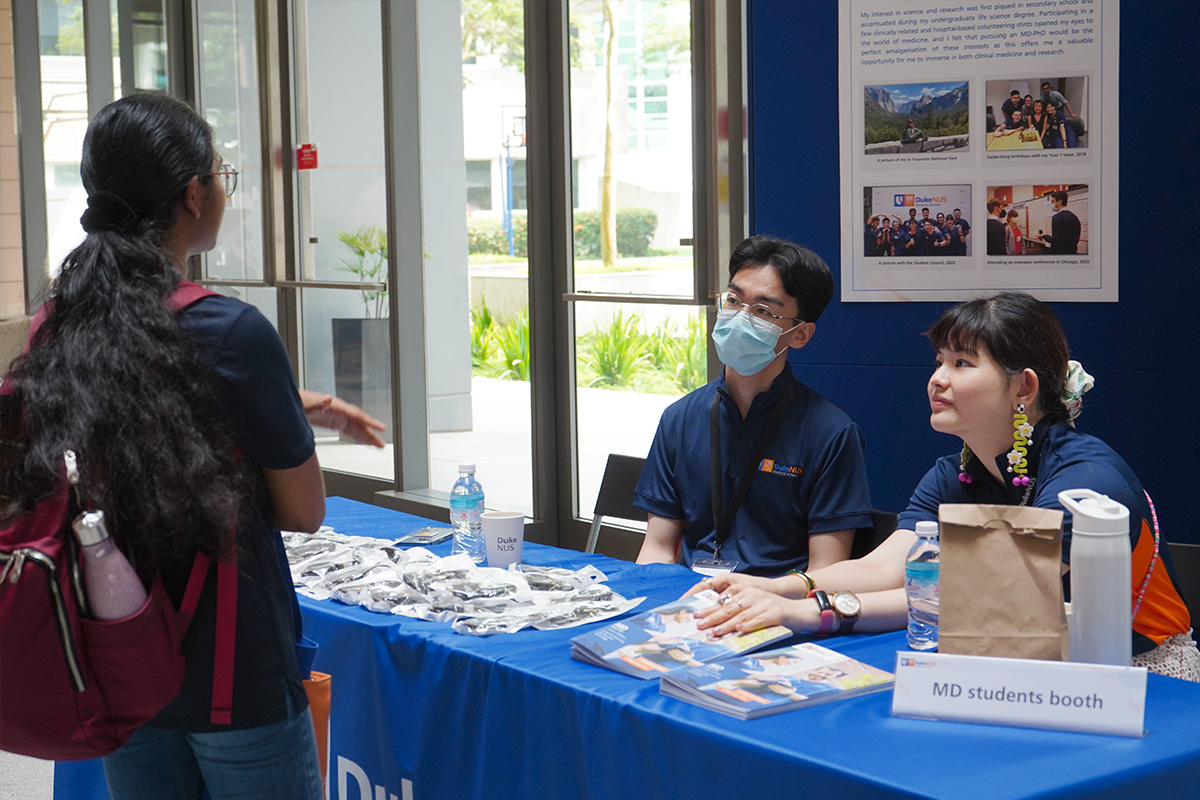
(938, 110)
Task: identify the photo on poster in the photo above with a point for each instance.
(1038, 220)
(916, 117)
(917, 222)
(1037, 113)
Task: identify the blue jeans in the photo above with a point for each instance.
(272, 762)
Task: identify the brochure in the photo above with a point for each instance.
(774, 681)
(662, 639)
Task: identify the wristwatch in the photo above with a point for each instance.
(846, 605)
(828, 617)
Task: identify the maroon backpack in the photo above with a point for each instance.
(74, 688)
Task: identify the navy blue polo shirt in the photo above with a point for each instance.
(1066, 459)
(263, 408)
(812, 480)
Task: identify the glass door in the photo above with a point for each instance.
(340, 213)
(639, 340)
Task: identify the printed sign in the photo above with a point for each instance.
(306, 156)
(1058, 695)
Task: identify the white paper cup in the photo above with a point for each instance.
(504, 533)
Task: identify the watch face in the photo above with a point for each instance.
(846, 604)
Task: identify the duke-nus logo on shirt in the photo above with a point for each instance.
(775, 468)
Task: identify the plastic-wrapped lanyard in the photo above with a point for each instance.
(723, 515)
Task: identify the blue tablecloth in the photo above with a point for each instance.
(421, 712)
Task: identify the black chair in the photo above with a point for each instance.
(1186, 560)
(883, 524)
(615, 498)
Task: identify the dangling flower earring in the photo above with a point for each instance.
(1017, 462)
(963, 457)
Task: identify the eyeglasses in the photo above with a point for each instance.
(228, 174)
(728, 301)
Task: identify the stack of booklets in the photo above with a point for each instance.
(774, 681)
(666, 638)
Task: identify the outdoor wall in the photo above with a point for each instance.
(871, 359)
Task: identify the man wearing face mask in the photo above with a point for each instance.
(790, 483)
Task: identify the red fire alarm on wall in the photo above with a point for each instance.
(306, 156)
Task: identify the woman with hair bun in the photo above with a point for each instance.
(1002, 365)
(187, 426)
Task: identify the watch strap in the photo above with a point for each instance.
(828, 616)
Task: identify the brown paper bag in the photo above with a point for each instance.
(1000, 585)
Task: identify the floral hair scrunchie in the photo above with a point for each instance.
(1077, 383)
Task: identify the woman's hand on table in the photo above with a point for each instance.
(747, 608)
(730, 580)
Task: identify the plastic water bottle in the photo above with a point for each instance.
(921, 587)
(112, 587)
(466, 510)
(1100, 568)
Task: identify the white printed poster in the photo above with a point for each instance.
(979, 149)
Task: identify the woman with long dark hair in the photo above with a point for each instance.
(1013, 240)
(188, 427)
(1001, 361)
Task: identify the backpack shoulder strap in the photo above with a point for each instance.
(187, 294)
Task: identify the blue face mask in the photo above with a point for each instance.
(746, 344)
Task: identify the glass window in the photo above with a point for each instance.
(149, 46)
(479, 185)
(632, 361)
(520, 195)
(632, 211)
(341, 218)
(64, 122)
(477, 271)
(228, 98)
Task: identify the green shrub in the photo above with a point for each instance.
(682, 356)
(618, 351)
(635, 230)
(587, 234)
(513, 341)
(483, 345)
(485, 234)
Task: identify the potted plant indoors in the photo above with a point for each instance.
(362, 365)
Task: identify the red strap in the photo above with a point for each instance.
(191, 595)
(222, 696)
(187, 293)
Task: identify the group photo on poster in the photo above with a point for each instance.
(1037, 220)
(916, 221)
(1037, 113)
(916, 117)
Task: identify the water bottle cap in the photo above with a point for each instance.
(89, 528)
(1094, 513)
(927, 527)
(466, 467)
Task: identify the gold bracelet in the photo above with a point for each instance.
(804, 575)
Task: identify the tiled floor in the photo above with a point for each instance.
(24, 778)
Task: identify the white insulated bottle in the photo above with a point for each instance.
(1100, 578)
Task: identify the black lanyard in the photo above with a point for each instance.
(723, 516)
